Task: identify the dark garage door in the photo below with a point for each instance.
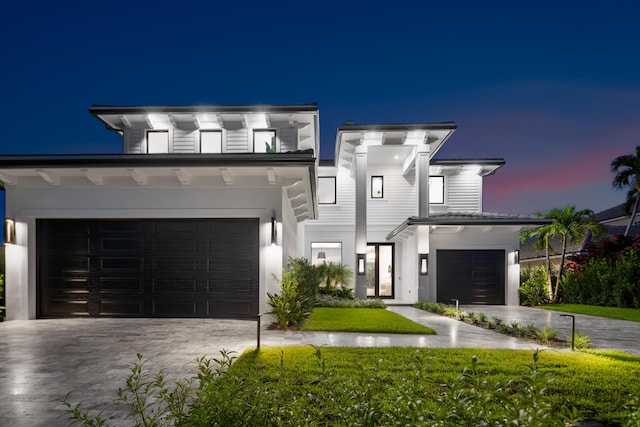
(148, 268)
(472, 277)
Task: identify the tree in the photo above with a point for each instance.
(570, 225)
(627, 169)
(541, 236)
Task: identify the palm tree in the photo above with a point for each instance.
(570, 225)
(541, 236)
(627, 169)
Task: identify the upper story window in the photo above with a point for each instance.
(264, 141)
(327, 190)
(157, 141)
(436, 190)
(210, 141)
(377, 187)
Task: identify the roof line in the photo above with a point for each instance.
(398, 127)
(156, 160)
(96, 109)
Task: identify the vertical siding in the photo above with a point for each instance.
(464, 192)
(238, 141)
(133, 141)
(184, 141)
(288, 139)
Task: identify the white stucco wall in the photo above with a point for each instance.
(26, 205)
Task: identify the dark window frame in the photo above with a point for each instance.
(374, 177)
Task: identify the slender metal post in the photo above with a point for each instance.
(457, 304)
(258, 332)
(573, 329)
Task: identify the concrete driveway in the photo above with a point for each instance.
(42, 360)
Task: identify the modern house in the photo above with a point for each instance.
(207, 203)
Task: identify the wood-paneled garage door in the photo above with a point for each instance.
(472, 277)
(148, 268)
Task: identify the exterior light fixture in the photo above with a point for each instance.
(516, 256)
(274, 235)
(9, 231)
(322, 255)
(423, 263)
(361, 264)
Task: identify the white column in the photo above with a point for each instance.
(360, 165)
(422, 179)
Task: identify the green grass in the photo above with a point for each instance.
(597, 383)
(632, 314)
(362, 320)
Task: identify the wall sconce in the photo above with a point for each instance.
(423, 263)
(322, 255)
(516, 256)
(274, 235)
(9, 231)
(361, 264)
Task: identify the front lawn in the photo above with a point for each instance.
(632, 314)
(405, 386)
(368, 320)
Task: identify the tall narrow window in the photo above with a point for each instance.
(264, 141)
(327, 190)
(377, 183)
(436, 190)
(157, 141)
(210, 141)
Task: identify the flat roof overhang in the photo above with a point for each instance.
(470, 220)
(295, 172)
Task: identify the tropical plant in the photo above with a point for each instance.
(307, 277)
(334, 274)
(533, 286)
(570, 225)
(627, 169)
(288, 307)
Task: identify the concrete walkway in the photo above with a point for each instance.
(42, 360)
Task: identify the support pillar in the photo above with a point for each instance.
(360, 165)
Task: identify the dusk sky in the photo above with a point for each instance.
(551, 87)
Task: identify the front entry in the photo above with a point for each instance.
(380, 270)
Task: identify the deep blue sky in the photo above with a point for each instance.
(552, 87)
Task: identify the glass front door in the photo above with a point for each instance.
(379, 270)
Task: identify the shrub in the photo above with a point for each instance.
(545, 334)
(334, 275)
(289, 307)
(307, 277)
(581, 341)
(533, 289)
(333, 301)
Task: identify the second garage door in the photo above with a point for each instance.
(472, 277)
(148, 268)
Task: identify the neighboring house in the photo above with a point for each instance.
(614, 220)
(207, 203)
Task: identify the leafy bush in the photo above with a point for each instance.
(605, 281)
(545, 334)
(334, 275)
(534, 287)
(334, 301)
(289, 307)
(307, 277)
(581, 341)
